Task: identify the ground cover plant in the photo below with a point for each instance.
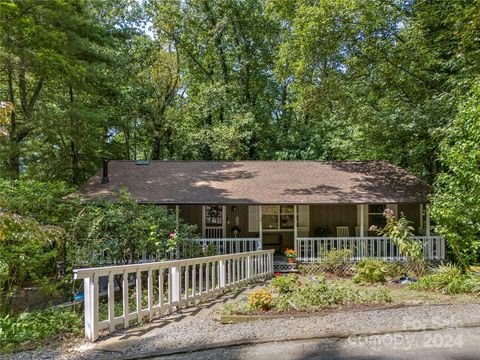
(449, 279)
(371, 271)
(288, 293)
(336, 261)
(32, 328)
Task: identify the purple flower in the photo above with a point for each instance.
(388, 213)
(172, 234)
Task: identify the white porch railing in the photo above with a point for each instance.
(214, 232)
(232, 245)
(310, 249)
(168, 284)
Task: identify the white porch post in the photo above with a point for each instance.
(260, 224)
(421, 217)
(203, 221)
(224, 221)
(427, 220)
(362, 220)
(175, 283)
(295, 225)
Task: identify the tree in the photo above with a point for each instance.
(456, 205)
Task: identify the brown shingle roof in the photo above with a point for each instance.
(266, 182)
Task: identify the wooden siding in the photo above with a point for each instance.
(412, 213)
(192, 214)
(330, 216)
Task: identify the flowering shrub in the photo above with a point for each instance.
(286, 283)
(290, 253)
(260, 300)
(402, 235)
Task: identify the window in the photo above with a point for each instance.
(270, 217)
(213, 215)
(375, 215)
(276, 217)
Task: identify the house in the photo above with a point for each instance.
(311, 206)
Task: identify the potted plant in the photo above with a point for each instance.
(290, 254)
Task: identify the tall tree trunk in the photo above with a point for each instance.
(74, 153)
(13, 159)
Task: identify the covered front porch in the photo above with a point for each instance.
(309, 229)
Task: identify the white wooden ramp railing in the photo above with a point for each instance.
(146, 289)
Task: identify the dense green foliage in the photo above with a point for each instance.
(231, 80)
(254, 79)
(457, 199)
(125, 231)
(336, 261)
(449, 279)
(371, 271)
(41, 200)
(30, 328)
(27, 254)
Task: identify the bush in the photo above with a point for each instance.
(312, 295)
(27, 254)
(286, 283)
(260, 300)
(43, 201)
(336, 261)
(449, 279)
(32, 327)
(371, 271)
(124, 231)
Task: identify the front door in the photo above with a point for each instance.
(214, 217)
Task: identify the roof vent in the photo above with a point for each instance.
(142, 162)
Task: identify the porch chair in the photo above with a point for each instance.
(302, 232)
(342, 232)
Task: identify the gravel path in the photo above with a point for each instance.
(183, 330)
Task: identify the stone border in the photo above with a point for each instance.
(234, 319)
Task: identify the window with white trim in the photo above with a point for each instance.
(277, 217)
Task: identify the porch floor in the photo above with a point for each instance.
(281, 265)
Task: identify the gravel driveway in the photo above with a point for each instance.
(196, 326)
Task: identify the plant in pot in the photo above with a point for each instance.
(290, 254)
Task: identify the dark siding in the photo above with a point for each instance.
(333, 216)
(320, 215)
(192, 214)
(412, 213)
